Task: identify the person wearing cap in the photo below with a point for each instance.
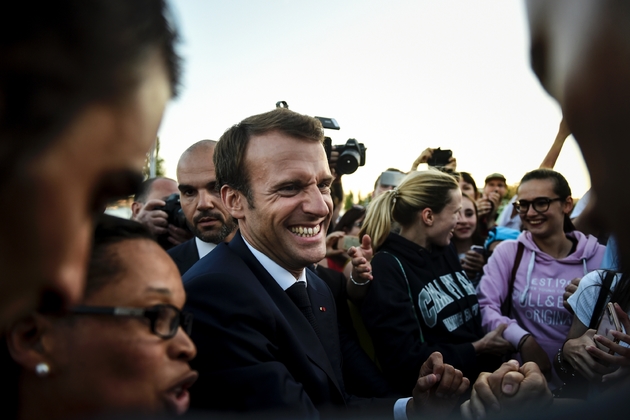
(387, 180)
(493, 192)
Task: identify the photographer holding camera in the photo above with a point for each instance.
(437, 158)
(151, 207)
(343, 159)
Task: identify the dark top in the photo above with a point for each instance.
(184, 255)
(434, 309)
(360, 375)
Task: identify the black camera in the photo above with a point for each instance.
(173, 208)
(351, 155)
(440, 158)
(176, 217)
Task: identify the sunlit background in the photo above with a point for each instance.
(399, 76)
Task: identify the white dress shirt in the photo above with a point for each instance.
(204, 248)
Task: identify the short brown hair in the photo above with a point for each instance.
(229, 154)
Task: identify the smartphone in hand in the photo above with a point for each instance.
(608, 323)
(345, 242)
(478, 249)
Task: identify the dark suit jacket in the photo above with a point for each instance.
(360, 375)
(185, 255)
(256, 350)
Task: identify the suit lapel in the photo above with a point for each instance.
(311, 344)
(185, 255)
(192, 253)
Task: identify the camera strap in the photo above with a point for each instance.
(601, 299)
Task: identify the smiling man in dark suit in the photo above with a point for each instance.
(265, 325)
(206, 216)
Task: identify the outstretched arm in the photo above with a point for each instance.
(552, 155)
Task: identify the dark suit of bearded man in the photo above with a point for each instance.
(185, 255)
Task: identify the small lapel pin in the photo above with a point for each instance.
(322, 308)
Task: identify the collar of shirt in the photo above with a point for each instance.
(204, 248)
(279, 274)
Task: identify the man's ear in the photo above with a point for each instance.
(426, 215)
(234, 201)
(25, 341)
(135, 209)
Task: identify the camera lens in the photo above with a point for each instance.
(348, 161)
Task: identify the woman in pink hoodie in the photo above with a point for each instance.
(552, 253)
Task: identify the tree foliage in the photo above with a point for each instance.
(159, 162)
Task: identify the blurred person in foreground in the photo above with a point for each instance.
(580, 51)
(206, 216)
(147, 209)
(83, 88)
(123, 349)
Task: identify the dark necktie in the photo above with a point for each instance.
(298, 294)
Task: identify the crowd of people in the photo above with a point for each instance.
(436, 299)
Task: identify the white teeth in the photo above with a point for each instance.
(305, 232)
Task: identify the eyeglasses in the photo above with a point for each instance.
(540, 204)
(165, 319)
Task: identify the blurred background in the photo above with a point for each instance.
(399, 76)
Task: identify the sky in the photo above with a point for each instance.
(399, 76)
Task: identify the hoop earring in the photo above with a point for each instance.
(42, 370)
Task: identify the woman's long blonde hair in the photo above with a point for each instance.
(417, 191)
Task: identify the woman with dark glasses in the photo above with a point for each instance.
(124, 349)
(524, 281)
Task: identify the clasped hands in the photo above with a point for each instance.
(510, 388)
(437, 390)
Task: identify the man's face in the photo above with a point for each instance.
(290, 182)
(380, 189)
(495, 185)
(205, 213)
(162, 188)
(581, 54)
(97, 158)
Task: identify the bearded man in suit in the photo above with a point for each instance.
(206, 215)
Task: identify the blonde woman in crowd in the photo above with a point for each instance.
(420, 300)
